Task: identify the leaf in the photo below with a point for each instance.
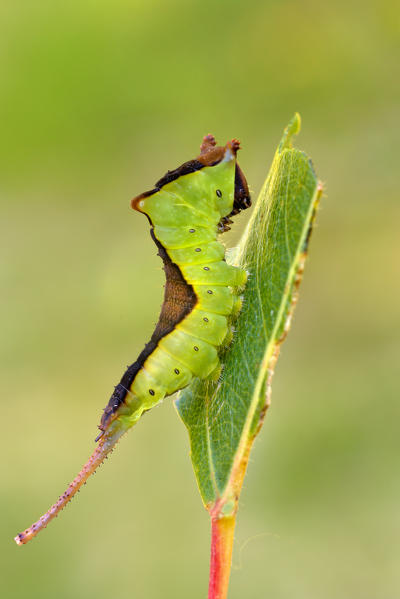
(223, 418)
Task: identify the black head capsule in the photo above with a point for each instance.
(196, 348)
(209, 291)
(152, 392)
(206, 268)
(197, 250)
(192, 230)
(205, 319)
(219, 193)
(176, 371)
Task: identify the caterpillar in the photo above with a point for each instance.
(186, 209)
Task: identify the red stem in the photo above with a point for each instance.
(222, 530)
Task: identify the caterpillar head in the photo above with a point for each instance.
(211, 154)
(230, 183)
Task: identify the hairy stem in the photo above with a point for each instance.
(222, 530)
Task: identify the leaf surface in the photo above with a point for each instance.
(224, 417)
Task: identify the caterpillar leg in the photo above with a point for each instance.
(216, 373)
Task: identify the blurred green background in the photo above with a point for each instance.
(98, 100)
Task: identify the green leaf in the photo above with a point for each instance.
(223, 418)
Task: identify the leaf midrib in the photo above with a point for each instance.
(271, 343)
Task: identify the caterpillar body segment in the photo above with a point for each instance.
(187, 209)
(177, 237)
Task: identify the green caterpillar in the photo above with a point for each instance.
(187, 209)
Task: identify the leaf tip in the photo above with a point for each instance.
(292, 129)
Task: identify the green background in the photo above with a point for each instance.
(98, 100)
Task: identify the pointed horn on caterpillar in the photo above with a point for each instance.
(106, 444)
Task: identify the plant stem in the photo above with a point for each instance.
(222, 529)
